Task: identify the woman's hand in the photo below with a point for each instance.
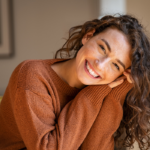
(118, 81)
(127, 73)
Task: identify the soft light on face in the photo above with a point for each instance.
(103, 57)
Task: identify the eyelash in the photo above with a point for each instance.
(103, 49)
(116, 66)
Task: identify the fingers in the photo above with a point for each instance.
(116, 83)
(127, 73)
(122, 77)
(128, 70)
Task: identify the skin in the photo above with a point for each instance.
(100, 58)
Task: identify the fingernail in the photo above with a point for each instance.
(121, 80)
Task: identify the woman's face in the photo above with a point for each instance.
(103, 57)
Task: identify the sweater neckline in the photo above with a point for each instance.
(62, 85)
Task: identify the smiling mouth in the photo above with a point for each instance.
(90, 71)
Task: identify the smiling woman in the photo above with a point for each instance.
(86, 101)
(108, 48)
(107, 62)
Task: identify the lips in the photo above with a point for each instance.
(92, 73)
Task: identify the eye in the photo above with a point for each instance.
(103, 49)
(116, 66)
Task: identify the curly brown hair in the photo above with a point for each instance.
(136, 108)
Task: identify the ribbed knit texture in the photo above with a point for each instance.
(39, 111)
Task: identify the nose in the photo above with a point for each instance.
(102, 64)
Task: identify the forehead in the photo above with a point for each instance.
(116, 39)
(114, 35)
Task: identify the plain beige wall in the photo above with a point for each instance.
(141, 10)
(40, 26)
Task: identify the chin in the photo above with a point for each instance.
(85, 82)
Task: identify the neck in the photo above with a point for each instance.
(67, 71)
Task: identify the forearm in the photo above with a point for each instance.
(107, 121)
(74, 122)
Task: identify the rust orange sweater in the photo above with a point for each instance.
(39, 111)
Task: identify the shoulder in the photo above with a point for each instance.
(31, 65)
(31, 74)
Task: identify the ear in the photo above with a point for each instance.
(87, 36)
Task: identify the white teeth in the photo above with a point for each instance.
(91, 71)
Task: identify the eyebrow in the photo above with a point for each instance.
(121, 63)
(109, 48)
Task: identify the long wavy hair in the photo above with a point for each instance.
(136, 109)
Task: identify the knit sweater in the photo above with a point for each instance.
(40, 111)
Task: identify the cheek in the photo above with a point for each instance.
(89, 51)
(112, 76)
(90, 48)
(86, 52)
(110, 73)
(115, 75)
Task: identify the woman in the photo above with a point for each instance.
(70, 104)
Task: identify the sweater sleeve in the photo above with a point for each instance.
(108, 120)
(37, 123)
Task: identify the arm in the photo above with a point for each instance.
(108, 120)
(36, 120)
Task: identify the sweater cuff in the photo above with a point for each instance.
(121, 91)
(96, 93)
